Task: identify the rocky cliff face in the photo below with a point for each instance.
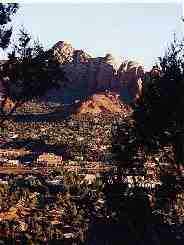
(88, 75)
(63, 52)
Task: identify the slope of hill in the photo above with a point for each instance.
(107, 102)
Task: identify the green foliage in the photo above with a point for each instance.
(159, 110)
(6, 12)
(29, 71)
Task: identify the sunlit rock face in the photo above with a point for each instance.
(63, 52)
(81, 70)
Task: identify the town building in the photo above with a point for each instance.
(50, 160)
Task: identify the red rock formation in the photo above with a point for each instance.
(63, 52)
(103, 103)
(98, 74)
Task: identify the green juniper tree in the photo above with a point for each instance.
(158, 114)
(6, 13)
(30, 73)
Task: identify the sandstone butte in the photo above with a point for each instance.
(107, 102)
(99, 74)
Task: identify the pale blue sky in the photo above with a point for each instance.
(138, 31)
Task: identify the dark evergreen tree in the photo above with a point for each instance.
(6, 13)
(29, 71)
(158, 113)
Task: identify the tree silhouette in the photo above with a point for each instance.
(6, 13)
(29, 73)
(158, 113)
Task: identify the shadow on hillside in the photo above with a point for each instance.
(42, 117)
